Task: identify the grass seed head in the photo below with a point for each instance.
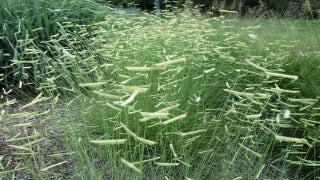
(131, 166)
(109, 142)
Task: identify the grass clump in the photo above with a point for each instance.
(235, 106)
(186, 97)
(42, 39)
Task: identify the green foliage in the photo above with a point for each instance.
(217, 87)
(35, 33)
(243, 95)
(308, 68)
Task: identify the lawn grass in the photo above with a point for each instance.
(242, 98)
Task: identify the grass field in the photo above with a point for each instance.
(134, 96)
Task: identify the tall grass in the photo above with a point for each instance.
(184, 97)
(36, 35)
(236, 112)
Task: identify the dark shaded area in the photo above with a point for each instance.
(246, 8)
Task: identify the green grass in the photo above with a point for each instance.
(36, 35)
(234, 112)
